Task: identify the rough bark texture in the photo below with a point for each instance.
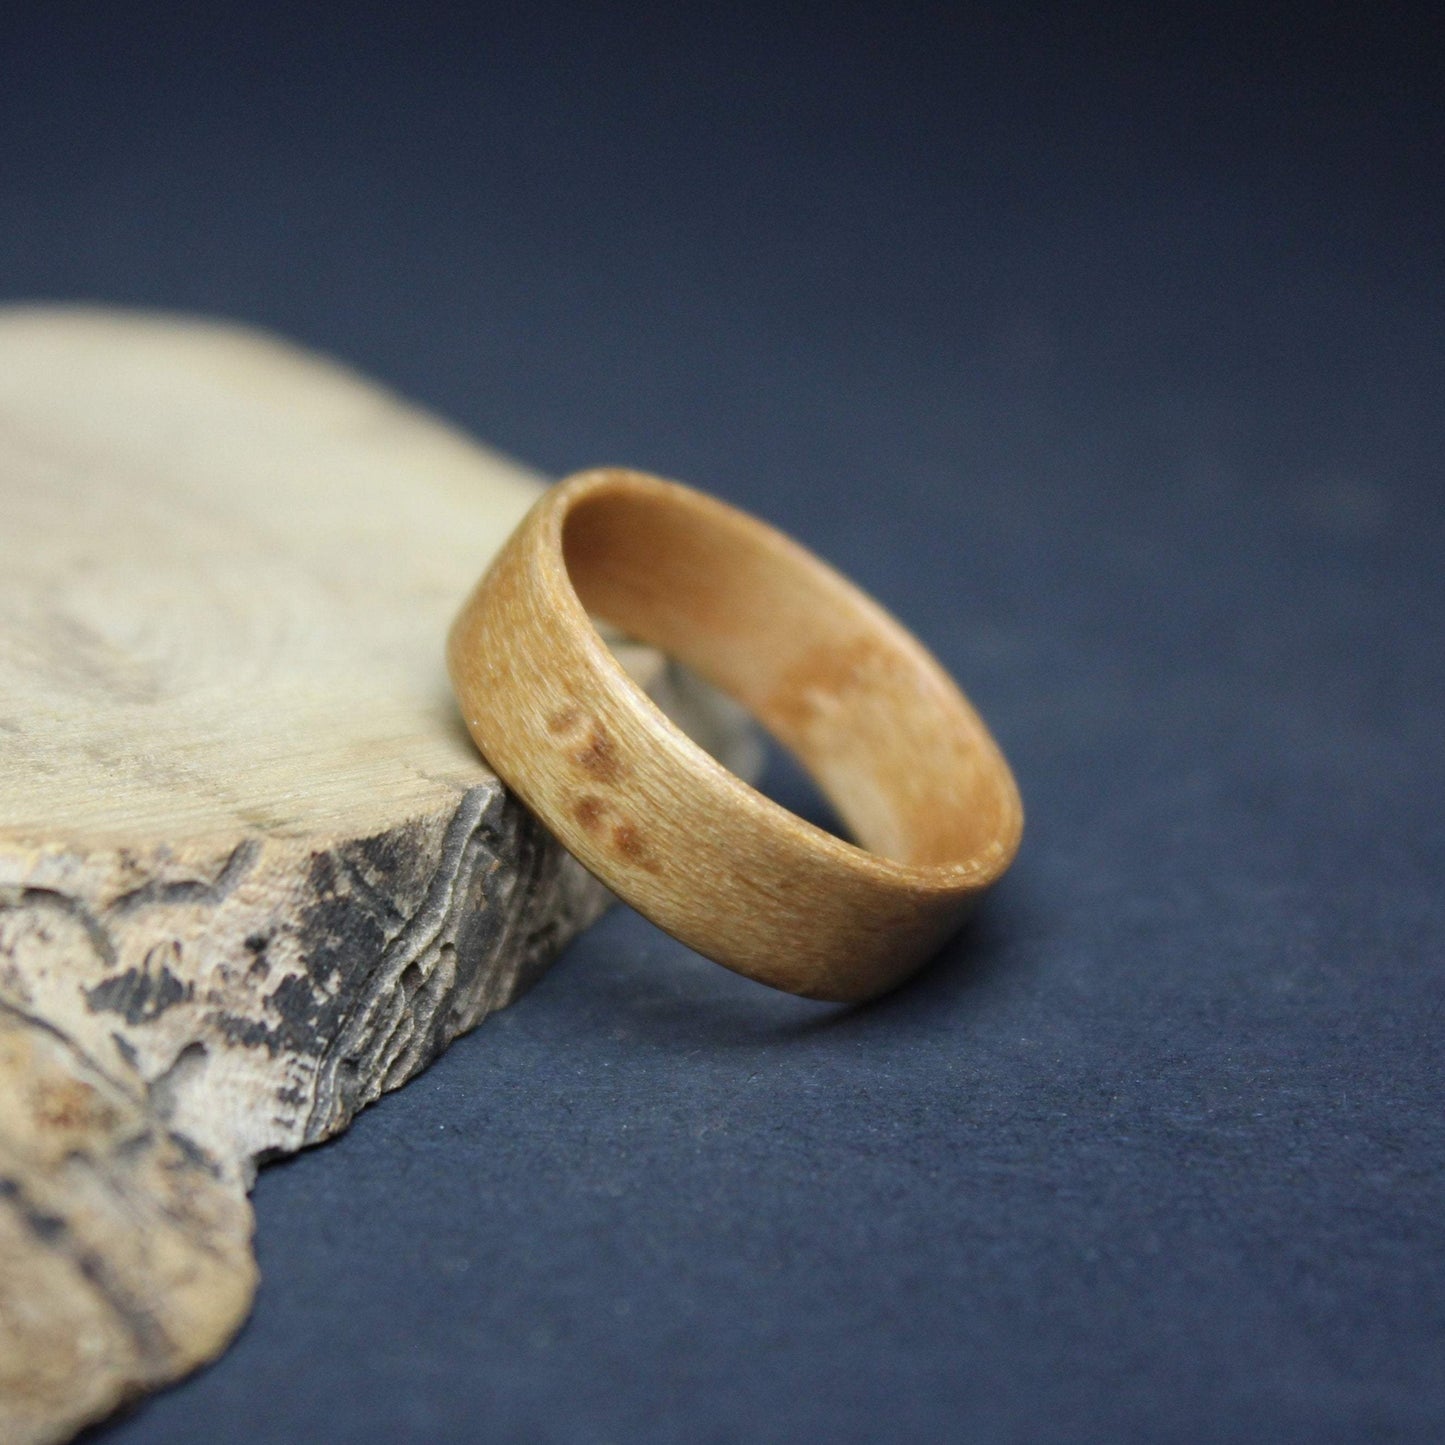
(235, 907)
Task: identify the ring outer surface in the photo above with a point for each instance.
(691, 846)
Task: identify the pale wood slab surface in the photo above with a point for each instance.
(252, 870)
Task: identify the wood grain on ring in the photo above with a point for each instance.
(909, 765)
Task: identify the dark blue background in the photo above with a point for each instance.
(1106, 348)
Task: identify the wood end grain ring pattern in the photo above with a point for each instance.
(889, 738)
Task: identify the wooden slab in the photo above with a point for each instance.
(252, 870)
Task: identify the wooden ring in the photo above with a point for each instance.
(889, 738)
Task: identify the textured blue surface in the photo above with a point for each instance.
(1106, 349)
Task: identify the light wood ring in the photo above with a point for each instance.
(889, 738)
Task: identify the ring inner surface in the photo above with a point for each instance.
(910, 768)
